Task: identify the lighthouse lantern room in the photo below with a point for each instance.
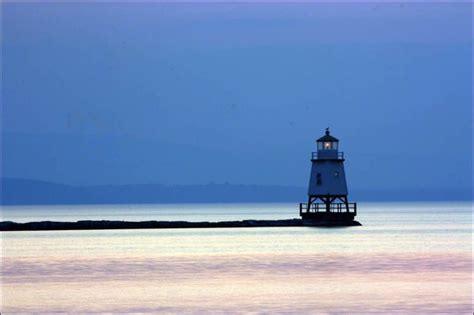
(327, 191)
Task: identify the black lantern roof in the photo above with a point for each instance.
(327, 137)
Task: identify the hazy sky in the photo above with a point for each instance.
(116, 93)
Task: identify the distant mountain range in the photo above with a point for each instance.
(28, 192)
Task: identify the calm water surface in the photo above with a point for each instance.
(408, 258)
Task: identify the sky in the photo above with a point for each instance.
(194, 93)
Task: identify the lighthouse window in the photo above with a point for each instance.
(327, 145)
(318, 179)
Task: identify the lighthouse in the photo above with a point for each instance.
(327, 191)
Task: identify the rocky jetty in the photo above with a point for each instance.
(112, 225)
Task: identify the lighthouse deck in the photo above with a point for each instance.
(336, 207)
(340, 212)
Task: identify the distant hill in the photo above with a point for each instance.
(28, 192)
(24, 191)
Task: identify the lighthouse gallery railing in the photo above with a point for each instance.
(333, 207)
(339, 156)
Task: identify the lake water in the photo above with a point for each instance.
(407, 257)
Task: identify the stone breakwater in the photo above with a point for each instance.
(113, 225)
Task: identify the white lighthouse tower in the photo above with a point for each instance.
(328, 185)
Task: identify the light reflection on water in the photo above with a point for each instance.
(407, 257)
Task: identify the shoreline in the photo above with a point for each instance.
(9, 226)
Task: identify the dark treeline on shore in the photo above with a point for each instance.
(25, 192)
